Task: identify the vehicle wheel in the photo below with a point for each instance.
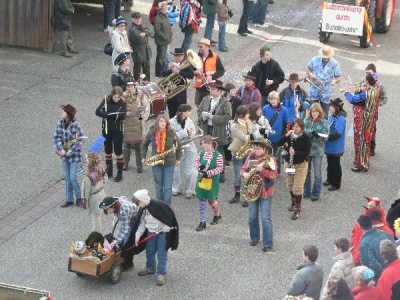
(323, 36)
(115, 272)
(382, 25)
(364, 40)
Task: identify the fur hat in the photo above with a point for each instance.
(326, 51)
(69, 109)
(365, 222)
(142, 196)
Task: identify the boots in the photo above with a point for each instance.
(127, 156)
(120, 166)
(236, 198)
(297, 207)
(291, 207)
(109, 168)
(216, 220)
(201, 226)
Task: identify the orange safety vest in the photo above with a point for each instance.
(208, 67)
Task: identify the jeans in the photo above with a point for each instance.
(187, 40)
(163, 177)
(237, 165)
(209, 26)
(276, 152)
(334, 170)
(316, 161)
(157, 245)
(166, 56)
(71, 181)
(325, 106)
(109, 11)
(247, 11)
(160, 59)
(260, 11)
(221, 36)
(264, 206)
(185, 175)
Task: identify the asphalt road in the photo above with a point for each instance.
(217, 263)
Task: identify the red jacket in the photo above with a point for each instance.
(363, 292)
(389, 282)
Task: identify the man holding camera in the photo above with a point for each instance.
(139, 41)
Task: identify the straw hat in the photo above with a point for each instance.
(326, 51)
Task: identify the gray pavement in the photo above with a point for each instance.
(216, 263)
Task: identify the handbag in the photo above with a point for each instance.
(205, 184)
(108, 49)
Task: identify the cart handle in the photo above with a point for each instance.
(148, 238)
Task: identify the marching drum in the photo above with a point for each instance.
(155, 98)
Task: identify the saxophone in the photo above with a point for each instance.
(244, 150)
(198, 134)
(69, 144)
(159, 159)
(253, 186)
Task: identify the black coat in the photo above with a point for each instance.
(113, 123)
(140, 44)
(301, 146)
(164, 214)
(273, 72)
(63, 11)
(119, 78)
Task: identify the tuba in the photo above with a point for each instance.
(174, 84)
(253, 186)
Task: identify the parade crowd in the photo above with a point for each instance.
(251, 127)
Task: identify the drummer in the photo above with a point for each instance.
(133, 124)
(174, 68)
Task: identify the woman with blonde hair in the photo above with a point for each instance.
(317, 128)
(365, 285)
(162, 137)
(93, 189)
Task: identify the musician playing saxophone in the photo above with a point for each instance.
(266, 168)
(162, 137)
(185, 175)
(173, 67)
(297, 145)
(327, 70)
(67, 140)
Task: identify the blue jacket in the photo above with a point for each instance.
(280, 123)
(173, 13)
(370, 255)
(336, 143)
(287, 100)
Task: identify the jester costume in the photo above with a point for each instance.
(365, 107)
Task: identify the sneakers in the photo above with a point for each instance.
(253, 243)
(245, 204)
(268, 249)
(127, 266)
(66, 204)
(146, 272)
(201, 226)
(189, 196)
(108, 29)
(216, 220)
(262, 25)
(175, 193)
(160, 280)
(256, 25)
(296, 215)
(360, 169)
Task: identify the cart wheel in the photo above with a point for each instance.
(364, 40)
(322, 35)
(382, 25)
(115, 272)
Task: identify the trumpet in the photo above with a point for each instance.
(315, 82)
(355, 87)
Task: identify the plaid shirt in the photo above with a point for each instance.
(63, 135)
(126, 211)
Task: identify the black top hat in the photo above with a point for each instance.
(178, 51)
(338, 103)
(108, 202)
(217, 84)
(121, 58)
(250, 75)
(69, 109)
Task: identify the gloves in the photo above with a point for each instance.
(205, 175)
(166, 228)
(315, 134)
(201, 168)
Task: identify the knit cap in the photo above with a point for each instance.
(142, 196)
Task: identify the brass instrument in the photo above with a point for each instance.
(244, 150)
(159, 159)
(253, 186)
(174, 83)
(197, 135)
(315, 82)
(68, 145)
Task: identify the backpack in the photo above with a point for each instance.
(152, 14)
